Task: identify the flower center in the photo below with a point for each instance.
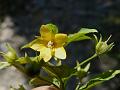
(50, 44)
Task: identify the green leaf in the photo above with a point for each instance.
(80, 35)
(99, 79)
(22, 60)
(82, 38)
(27, 59)
(87, 67)
(77, 37)
(56, 82)
(4, 65)
(87, 30)
(39, 81)
(62, 71)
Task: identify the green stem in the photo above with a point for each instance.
(77, 87)
(79, 83)
(87, 60)
(19, 67)
(61, 84)
(22, 69)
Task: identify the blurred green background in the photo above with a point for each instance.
(20, 21)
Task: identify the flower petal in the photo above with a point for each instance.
(45, 53)
(37, 46)
(60, 53)
(60, 39)
(46, 34)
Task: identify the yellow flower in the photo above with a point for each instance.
(50, 44)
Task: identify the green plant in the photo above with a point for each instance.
(50, 45)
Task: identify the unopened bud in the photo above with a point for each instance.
(102, 46)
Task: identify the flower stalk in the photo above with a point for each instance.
(87, 60)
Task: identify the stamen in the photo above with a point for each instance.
(50, 44)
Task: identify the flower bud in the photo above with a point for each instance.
(102, 46)
(10, 55)
(82, 72)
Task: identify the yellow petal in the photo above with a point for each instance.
(36, 41)
(46, 34)
(45, 53)
(36, 44)
(37, 47)
(60, 39)
(60, 53)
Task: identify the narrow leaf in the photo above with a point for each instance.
(87, 30)
(80, 35)
(62, 71)
(87, 67)
(38, 82)
(4, 65)
(99, 79)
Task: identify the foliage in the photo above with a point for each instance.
(99, 79)
(50, 45)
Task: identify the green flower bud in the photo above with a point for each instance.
(10, 55)
(82, 72)
(102, 46)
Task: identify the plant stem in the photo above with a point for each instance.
(61, 85)
(19, 67)
(87, 60)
